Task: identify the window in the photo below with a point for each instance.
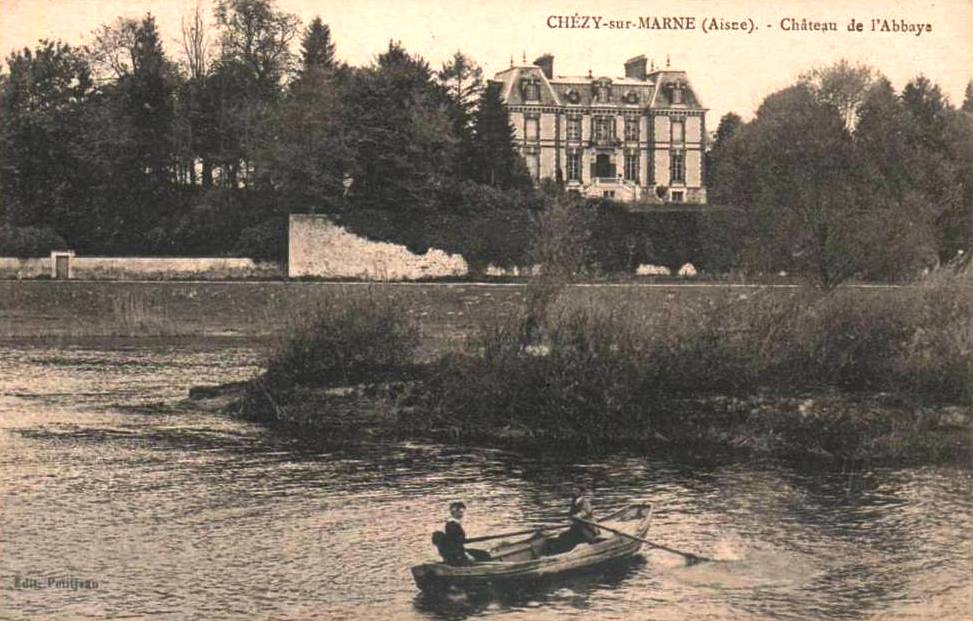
(603, 92)
(531, 128)
(532, 90)
(534, 166)
(632, 165)
(678, 131)
(677, 166)
(677, 197)
(574, 165)
(533, 158)
(677, 93)
(574, 128)
(604, 127)
(631, 128)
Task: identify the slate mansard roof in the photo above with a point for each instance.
(654, 91)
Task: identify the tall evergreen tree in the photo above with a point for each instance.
(462, 79)
(495, 158)
(968, 98)
(317, 48)
(309, 161)
(148, 92)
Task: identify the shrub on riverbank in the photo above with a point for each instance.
(606, 370)
(341, 342)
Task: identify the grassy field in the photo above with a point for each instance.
(446, 314)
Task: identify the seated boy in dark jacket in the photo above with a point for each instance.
(452, 545)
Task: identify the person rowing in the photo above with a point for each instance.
(579, 532)
(451, 542)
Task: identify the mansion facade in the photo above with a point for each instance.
(641, 137)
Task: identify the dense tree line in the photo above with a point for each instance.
(839, 176)
(120, 147)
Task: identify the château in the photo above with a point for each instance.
(635, 138)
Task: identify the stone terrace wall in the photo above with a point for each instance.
(319, 248)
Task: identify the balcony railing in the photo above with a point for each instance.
(605, 141)
(613, 181)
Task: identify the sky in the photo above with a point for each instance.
(730, 70)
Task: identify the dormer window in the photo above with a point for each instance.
(631, 97)
(602, 91)
(531, 88)
(572, 95)
(677, 92)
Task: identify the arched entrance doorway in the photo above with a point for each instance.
(604, 167)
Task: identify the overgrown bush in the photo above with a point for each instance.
(28, 241)
(580, 389)
(593, 369)
(264, 241)
(343, 342)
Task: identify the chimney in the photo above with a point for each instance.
(635, 67)
(546, 63)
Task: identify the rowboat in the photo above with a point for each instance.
(525, 559)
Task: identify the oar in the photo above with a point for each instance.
(517, 532)
(691, 558)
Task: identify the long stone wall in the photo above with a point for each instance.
(320, 249)
(19, 269)
(142, 268)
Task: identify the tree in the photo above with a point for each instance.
(256, 35)
(317, 48)
(938, 174)
(841, 85)
(463, 80)
(791, 173)
(195, 45)
(148, 92)
(246, 83)
(398, 118)
(729, 125)
(42, 180)
(309, 161)
(968, 98)
(494, 154)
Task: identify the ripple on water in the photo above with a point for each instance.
(186, 515)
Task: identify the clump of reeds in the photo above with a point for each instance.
(134, 315)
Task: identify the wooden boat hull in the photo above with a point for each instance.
(526, 563)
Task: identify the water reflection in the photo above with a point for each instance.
(182, 514)
(571, 591)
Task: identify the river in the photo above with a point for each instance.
(119, 500)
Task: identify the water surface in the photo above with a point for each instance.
(106, 476)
